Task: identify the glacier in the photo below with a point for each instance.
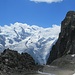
(36, 41)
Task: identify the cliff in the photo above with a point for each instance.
(66, 42)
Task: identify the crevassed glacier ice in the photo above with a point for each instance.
(35, 40)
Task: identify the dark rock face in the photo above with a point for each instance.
(13, 61)
(66, 41)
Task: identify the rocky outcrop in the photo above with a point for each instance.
(65, 62)
(11, 61)
(66, 42)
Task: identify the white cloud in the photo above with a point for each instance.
(47, 1)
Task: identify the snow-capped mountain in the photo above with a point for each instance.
(37, 41)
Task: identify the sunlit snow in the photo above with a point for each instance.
(35, 40)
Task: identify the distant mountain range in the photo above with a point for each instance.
(36, 41)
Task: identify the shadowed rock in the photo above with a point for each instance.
(12, 61)
(66, 42)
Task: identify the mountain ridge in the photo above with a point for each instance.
(65, 44)
(37, 41)
(14, 63)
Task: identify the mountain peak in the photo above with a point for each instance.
(35, 40)
(66, 41)
(70, 13)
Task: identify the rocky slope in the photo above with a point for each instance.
(11, 62)
(65, 44)
(65, 62)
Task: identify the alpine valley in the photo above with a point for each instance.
(34, 50)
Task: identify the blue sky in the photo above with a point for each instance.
(43, 14)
